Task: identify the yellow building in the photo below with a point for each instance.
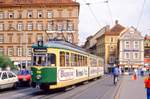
(23, 22)
(107, 45)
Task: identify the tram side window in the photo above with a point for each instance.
(72, 59)
(67, 59)
(51, 59)
(85, 61)
(76, 58)
(62, 58)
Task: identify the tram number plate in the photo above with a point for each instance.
(38, 72)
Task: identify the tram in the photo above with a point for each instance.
(58, 64)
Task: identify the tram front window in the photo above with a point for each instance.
(44, 60)
(39, 60)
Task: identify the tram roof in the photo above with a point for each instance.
(61, 45)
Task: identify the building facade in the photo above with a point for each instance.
(91, 42)
(131, 51)
(147, 50)
(23, 22)
(107, 45)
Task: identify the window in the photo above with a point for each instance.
(29, 52)
(10, 75)
(67, 59)
(111, 39)
(127, 45)
(4, 76)
(20, 15)
(111, 59)
(60, 27)
(1, 38)
(70, 26)
(136, 55)
(50, 26)
(1, 50)
(136, 45)
(19, 52)
(20, 26)
(127, 55)
(10, 15)
(1, 15)
(10, 51)
(49, 14)
(40, 59)
(69, 38)
(62, 58)
(40, 14)
(51, 59)
(30, 26)
(39, 37)
(1, 26)
(72, 59)
(29, 14)
(39, 26)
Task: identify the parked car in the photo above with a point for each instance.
(24, 77)
(8, 79)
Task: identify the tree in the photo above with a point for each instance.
(6, 62)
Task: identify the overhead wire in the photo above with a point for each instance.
(141, 14)
(109, 11)
(92, 12)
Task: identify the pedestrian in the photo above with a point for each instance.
(115, 74)
(147, 86)
(134, 75)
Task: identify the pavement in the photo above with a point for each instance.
(131, 89)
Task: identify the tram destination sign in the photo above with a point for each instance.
(40, 50)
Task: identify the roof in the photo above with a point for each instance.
(115, 30)
(62, 45)
(6, 3)
(147, 37)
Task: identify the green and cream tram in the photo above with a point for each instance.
(58, 64)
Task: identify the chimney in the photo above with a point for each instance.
(116, 22)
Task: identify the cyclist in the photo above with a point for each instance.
(115, 74)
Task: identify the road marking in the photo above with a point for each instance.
(118, 92)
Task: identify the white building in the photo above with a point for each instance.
(131, 49)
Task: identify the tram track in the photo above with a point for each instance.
(33, 93)
(78, 91)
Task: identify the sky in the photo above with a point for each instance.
(98, 14)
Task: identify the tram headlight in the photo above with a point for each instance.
(38, 77)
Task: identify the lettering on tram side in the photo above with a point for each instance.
(66, 74)
(81, 72)
(93, 71)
